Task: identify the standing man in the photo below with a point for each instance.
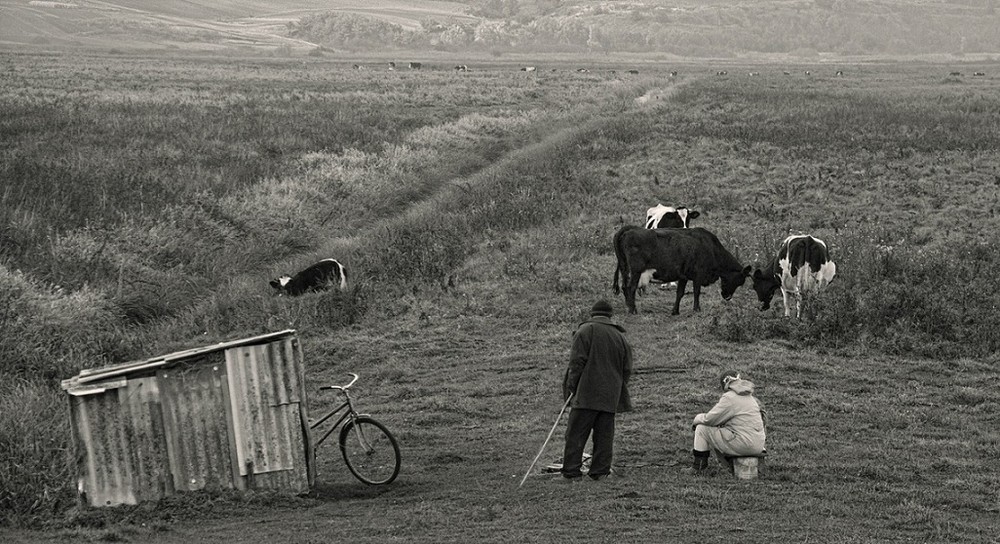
(600, 364)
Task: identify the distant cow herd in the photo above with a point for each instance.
(673, 73)
(392, 65)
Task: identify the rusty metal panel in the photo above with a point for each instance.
(265, 384)
(296, 479)
(121, 456)
(196, 424)
(145, 441)
(151, 365)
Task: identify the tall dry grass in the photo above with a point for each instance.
(148, 204)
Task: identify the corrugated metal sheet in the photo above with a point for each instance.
(135, 367)
(232, 415)
(121, 449)
(196, 422)
(268, 413)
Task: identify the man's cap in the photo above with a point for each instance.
(602, 307)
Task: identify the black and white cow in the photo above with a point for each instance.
(318, 277)
(662, 217)
(680, 255)
(801, 266)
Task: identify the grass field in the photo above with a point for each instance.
(147, 201)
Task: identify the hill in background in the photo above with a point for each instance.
(698, 28)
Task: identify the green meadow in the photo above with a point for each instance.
(146, 202)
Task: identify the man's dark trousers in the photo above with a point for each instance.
(581, 422)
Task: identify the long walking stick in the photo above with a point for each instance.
(554, 425)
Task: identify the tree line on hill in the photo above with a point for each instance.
(847, 27)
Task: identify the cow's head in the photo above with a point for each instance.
(279, 283)
(765, 285)
(732, 280)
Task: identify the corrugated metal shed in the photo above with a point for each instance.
(226, 416)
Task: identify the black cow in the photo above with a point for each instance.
(317, 277)
(662, 217)
(415, 65)
(679, 255)
(801, 266)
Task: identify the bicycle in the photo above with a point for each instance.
(369, 449)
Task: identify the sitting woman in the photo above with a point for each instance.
(734, 427)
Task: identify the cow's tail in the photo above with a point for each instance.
(621, 268)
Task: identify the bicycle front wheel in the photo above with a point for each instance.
(370, 451)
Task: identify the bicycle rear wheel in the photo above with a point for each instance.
(370, 451)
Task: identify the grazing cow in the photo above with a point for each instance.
(808, 73)
(392, 65)
(672, 74)
(751, 74)
(527, 68)
(801, 266)
(840, 72)
(583, 70)
(679, 255)
(955, 74)
(979, 73)
(721, 73)
(634, 72)
(415, 65)
(461, 68)
(661, 217)
(787, 73)
(317, 277)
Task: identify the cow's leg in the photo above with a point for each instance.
(784, 298)
(681, 285)
(630, 288)
(697, 296)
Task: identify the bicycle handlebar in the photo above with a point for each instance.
(341, 387)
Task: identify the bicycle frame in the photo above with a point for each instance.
(350, 414)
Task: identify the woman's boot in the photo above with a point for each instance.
(700, 463)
